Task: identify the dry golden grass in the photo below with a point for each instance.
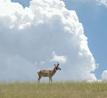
(55, 90)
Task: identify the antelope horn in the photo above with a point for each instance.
(57, 63)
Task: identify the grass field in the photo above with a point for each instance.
(55, 90)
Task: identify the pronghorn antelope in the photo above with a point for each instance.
(48, 73)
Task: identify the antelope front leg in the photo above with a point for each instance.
(50, 79)
(39, 79)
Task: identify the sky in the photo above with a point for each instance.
(93, 17)
(44, 32)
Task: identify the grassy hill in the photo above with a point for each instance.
(55, 90)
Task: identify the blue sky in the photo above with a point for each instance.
(23, 2)
(93, 18)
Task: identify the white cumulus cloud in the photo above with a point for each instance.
(104, 2)
(31, 34)
(104, 75)
(58, 58)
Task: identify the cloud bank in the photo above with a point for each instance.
(40, 35)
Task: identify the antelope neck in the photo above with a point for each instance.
(54, 71)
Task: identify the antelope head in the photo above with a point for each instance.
(57, 66)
